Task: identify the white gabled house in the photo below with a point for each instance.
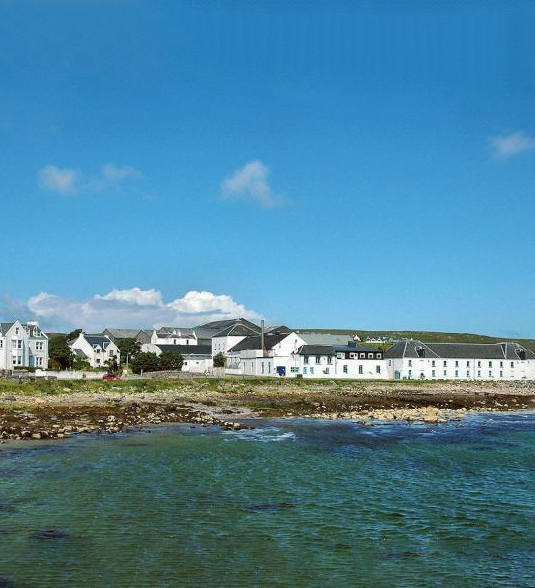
(414, 360)
(232, 335)
(173, 336)
(197, 358)
(97, 350)
(23, 345)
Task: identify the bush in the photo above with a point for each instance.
(171, 361)
(145, 362)
(219, 360)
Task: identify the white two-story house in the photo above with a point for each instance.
(97, 350)
(173, 336)
(23, 345)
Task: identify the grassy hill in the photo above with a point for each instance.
(426, 336)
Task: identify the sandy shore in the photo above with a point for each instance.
(55, 410)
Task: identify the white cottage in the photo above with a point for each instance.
(97, 350)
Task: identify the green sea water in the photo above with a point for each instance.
(290, 503)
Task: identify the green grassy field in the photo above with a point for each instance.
(427, 336)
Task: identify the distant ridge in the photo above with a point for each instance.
(427, 336)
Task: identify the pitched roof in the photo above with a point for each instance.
(316, 350)
(413, 349)
(177, 331)
(97, 339)
(255, 342)
(186, 349)
(122, 333)
(4, 327)
(237, 330)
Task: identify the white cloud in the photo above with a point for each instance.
(506, 146)
(250, 182)
(132, 307)
(71, 181)
(64, 181)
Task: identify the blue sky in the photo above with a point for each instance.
(326, 164)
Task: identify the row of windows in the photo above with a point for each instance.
(295, 370)
(360, 355)
(457, 374)
(445, 363)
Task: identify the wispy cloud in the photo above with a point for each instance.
(506, 146)
(61, 180)
(250, 182)
(132, 307)
(67, 181)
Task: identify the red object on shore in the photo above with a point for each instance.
(111, 377)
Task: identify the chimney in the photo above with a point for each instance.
(262, 336)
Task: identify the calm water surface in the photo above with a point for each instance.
(291, 503)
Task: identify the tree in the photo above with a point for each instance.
(129, 348)
(146, 362)
(219, 360)
(80, 364)
(59, 352)
(73, 334)
(171, 361)
(113, 366)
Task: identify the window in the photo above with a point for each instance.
(433, 363)
(445, 373)
(370, 355)
(478, 364)
(362, 356)
(445, 364)
(490, 374)
(467, 373)
(379, 356)
(305, 359)
(512, 364)
(17, 331)
(456, 363)
(311, 370)
(490, 363)
(410, 374)
(1, 343)
(19, 344)
(318, 358)
(389, 362)
(501, 374)
(262, 366)
(501, 363)
(377, 369)
(456, 373)
(344, 369)
(478, 374)
(305, 370)
(410, 362)
(433, 373)
(39, 361)
(341, 355)
(329, 359)
(294, 370)
(326, 371)
(361, 370)
(467, 364)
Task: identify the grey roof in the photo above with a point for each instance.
(170, 331)
(187, 349)
(100, 340)
(122, 333)
(505, 350)
(4, 327)
(324, 339)
(237, 330)
(316, 350)
(255, 342)
(278, 329)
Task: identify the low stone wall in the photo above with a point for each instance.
(171, 375)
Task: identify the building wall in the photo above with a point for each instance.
(461, 369)
(223, 344)
(97, 358)
(20, 347)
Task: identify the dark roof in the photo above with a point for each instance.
(4, 327)
(316, 350)
(100, 340)
(411, 349)
(175, 331)
(186, 349)
(237, 330)
(279, 329)
(121, 333)
(255, 342)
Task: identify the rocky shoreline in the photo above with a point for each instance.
(35, 412)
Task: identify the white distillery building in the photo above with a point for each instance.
(97, 350)
(414, 360)
(197, 358)
(23, 345)
(305, 355)
(173, 336)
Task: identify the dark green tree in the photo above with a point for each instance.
(128, 348)
(146, 362)
(171, 361)
(60, 354)
(219, 360)
(73, 334)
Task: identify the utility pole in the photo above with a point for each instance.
(262, 337)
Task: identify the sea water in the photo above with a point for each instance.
(289, 503)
